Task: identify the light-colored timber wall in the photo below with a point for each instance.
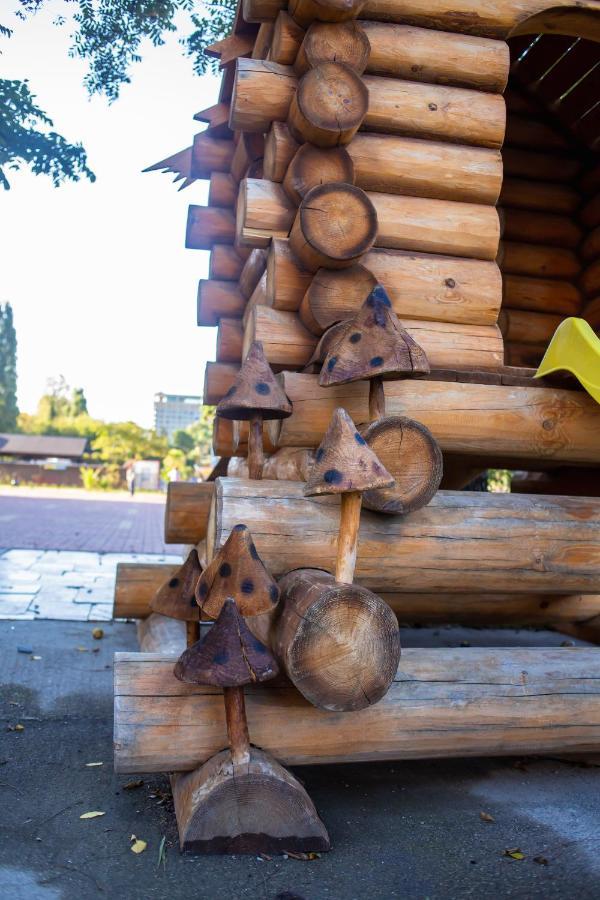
(443, 703)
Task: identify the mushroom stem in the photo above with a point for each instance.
(256, 456)
(348, 536)
(237, 725)
(376, 399)
(192, 633)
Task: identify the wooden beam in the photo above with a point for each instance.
(459, 542)
(136, 585)
(263, 93)
(443, 703)
(187, 510)
(484, 420)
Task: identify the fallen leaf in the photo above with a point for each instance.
(162, 853)
(36, 657)
(138, 846)
(92, 815)
(515, 853)
(17, 727)
(98, 634)
(132, 785)
(89, 765)
(303, 856)
(485, 817)
(540, 860)
(82, 649)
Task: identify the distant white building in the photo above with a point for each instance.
(175, 411)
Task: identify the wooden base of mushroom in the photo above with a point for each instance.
(254, 808)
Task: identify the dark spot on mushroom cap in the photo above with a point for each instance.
(240, 527)
(379, 295)
(356, 337)
(224, 570)
(253, 551)
(247, 586)
(331, 363)
(262, 387)
(231, 391)
(319, 454)
(203, 589)
(173, 582)
(359, 438)
(333, 476)
(376, 361)
(274, 593)
(377, 468)
(193, 601)
(221, 658)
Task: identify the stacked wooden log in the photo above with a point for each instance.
(355, 169)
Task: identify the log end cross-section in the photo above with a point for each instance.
(328, 106)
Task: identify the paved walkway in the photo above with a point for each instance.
(74, 520)
(59, 549)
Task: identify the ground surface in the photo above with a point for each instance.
(55, 519)
(410, 830)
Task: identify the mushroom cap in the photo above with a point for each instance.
(345, 462)
(237, 571)
(255, 390)
(175, 598)
(372, 343)
(228, 656)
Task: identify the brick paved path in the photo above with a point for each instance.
(101, 526)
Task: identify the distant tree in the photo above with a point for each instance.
(108, 35)
(201, 433)
(183, 440)
(78, 403)
(119, 442)
(8, 369)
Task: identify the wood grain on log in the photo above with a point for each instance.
(590, 279)
(222, 190)
(280, 149)
(218, 378)
(443, 703)
(404, 223)
(218, 299)
(264, 91)
(539, 195)
(343, 42)
(540, 166)
(526, 327)
(287, 281)
(312, 166)
(230, 337)
(541, 294)
(540, 228)
(420, 286)
(252, 272)
(335, 225)
(287, 37)
(208, 225)
(457, 543)
(516, 354)
(328, 106)
(210, 155)
(538, 262)
(225, 264)
(186, 511)
(519, 422)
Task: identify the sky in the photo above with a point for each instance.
(102, 287)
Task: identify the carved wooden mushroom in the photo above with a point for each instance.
(241, 800)
(373, 344)
(176, 597)
(237, 571)
(254, 397)
(345, 464)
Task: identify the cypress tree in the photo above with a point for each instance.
(8, 370)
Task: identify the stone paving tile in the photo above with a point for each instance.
(68, 585)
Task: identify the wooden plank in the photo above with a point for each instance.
(186, 511)
(443, 703)
(462, 541)
(481, 420)
(136, 584)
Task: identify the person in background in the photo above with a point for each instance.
(130, 478)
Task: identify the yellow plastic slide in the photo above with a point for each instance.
(574, 348)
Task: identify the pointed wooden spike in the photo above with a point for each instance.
(255, 390)
(237, 571)
(175, 598)
(179, 162)
(229, 655)
(344, 462)
(374, 343)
